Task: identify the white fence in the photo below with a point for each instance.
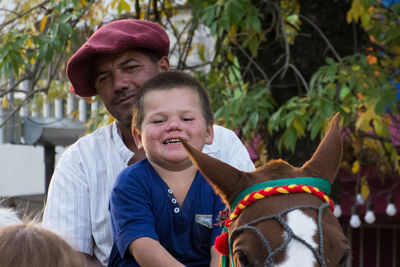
(70, 113)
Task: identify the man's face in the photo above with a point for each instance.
(117, 77)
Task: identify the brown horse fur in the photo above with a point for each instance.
(228, 182)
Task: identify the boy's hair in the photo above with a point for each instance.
(167, 81)
(30, 245)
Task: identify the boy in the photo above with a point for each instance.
(163, 211)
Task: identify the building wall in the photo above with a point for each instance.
(22, 170)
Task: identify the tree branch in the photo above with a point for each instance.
(253, 62)
(20, 15)
(23, 102)
(322, 36)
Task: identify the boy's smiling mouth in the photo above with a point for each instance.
(172, 141)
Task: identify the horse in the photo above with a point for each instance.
(279, 215)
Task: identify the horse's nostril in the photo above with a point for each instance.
(344, 258)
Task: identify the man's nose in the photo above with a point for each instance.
(121, 81)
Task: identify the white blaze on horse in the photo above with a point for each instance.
(280, 215)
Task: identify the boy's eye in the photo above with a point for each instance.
(158, 121)
(188, 119)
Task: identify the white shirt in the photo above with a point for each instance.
(78, 197)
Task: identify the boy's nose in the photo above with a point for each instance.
(174, 124)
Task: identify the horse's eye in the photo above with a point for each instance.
(243, 259)
(344, 258)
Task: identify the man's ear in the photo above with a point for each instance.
(209, 134)
(163, 64)
(137, 136)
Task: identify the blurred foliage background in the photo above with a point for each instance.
(276, 70)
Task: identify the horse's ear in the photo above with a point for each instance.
(226, 180)
(326, 159)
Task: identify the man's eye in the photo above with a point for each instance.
(130, 67)
(101, 79)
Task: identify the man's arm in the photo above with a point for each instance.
(228, 148)
(67, 208)
(149, 252)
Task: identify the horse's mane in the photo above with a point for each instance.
(276, 169)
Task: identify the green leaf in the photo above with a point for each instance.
(253, 46)
(273, 122)
(329, 61)
(289, 118)
(235, 12)
(344, 92)
(254, 118)
(225, 22)
(393, 34)
(208, 15)
(326, 108)
(380, 107)
(66, 28)
(253, 22)
(289, 138)
(201, 49)
(123, 6)
(315, 127)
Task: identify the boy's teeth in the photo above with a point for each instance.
(173, 141)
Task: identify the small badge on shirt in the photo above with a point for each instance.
(205, 220)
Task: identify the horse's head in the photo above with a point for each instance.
(280, 215)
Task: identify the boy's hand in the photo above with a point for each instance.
(215, 257)
(149, 252)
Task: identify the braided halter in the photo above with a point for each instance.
(311, 185)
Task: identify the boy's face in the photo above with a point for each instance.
(117, 77)
(169, 114)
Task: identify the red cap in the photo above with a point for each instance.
(114, 37)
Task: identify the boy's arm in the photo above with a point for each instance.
(149, 252)
(215, 257)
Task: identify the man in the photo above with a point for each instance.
(113, 62)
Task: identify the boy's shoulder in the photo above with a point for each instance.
(137, 171)
(138, 167)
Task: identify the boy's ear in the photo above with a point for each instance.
(209, 134)
(137, 136)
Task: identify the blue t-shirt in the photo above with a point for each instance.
(142, 205)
